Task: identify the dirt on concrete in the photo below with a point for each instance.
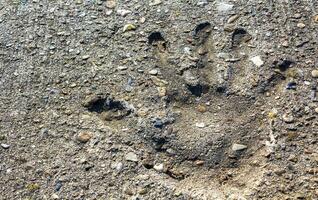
(160, 99)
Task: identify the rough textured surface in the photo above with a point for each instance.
(162, 91)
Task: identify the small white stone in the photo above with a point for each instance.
(288, 118)
(224, 7)
(109, 12)
(200, 125)
(123, 12)
(143, 177)
(55, 196)
(110, 4)
(314, 73)
(285, 44)
(142, 20)
(131, 157)
(238, 147)
(119, 166)
(122, 68)
(257, 60)
(155, 2)
(158, 167)
(301, 25)
(85, 57)
(5, 146)
(187, 50)
(153, 72)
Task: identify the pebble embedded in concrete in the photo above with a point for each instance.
(314, 73)
(202, 108)
(200, 124)
(5, 146)
(232, 19)
(119, 166)
(84, 137)
(123, 12)
(288, 118)
(162, 91)
(199, 162)
(202, 3)
(122, 68)
(110, 4)
(85, 57)
(238, 147)
(158, 123)
(153, 72)
(159, 167)
(257, 60)
(109, 12)
(224, 7)
(129, 27)
(301, 25)
(142, 20)
(55, 196)
(131, 157)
